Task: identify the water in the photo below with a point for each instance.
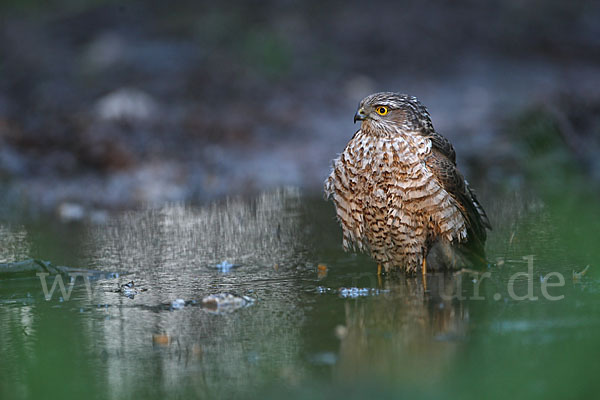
(315, 322)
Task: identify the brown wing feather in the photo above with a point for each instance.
(445, 171)
(445, 148)
(443, 145)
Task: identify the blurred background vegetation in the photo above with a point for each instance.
(114, 104)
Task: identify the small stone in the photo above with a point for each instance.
(178, 304)
(341, 332)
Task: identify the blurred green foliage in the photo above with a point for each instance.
(560, 179)
(268, 53)
(547, 160)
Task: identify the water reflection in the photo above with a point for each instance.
(14, 243)
(317, 312)
(261, 232)
(408, 331)
(174, 251)
(287, 333)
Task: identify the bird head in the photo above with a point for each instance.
(388, 112)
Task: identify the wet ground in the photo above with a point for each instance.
(253, 297)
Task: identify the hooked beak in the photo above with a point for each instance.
(360, 115)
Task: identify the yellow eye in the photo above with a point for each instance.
(381, 110)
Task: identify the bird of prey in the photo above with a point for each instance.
(399, 195)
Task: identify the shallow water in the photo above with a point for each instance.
(319, 322)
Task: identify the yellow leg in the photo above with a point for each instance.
(379, 274)
(378, 269)
(424, 271)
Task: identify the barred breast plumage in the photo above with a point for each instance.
(396, 188)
